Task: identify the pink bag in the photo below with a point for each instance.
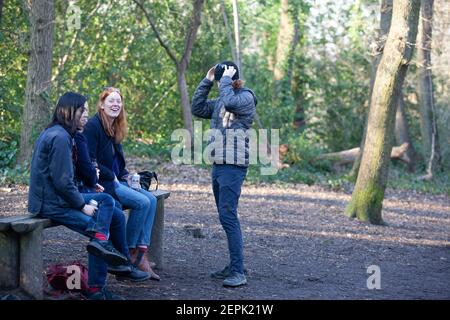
(64, 279)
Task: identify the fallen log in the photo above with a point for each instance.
(349, 156)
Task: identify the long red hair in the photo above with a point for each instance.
(117, 127)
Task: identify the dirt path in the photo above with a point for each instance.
(298, 244)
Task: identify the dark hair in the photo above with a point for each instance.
(66, 111)
(220, 68)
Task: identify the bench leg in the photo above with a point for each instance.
(31, 264)
(9, 260)
(156, 245)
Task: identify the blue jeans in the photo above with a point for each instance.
(227, 182)
(97, 267)
(143, 209)
(107, 220)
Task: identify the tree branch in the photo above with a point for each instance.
(152, 24)
(192, 32)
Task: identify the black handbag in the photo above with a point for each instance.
(146, 179)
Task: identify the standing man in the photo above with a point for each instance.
(231, 116)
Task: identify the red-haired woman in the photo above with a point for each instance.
(104, 133)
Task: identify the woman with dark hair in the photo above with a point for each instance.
(53, 193)
(104, 133)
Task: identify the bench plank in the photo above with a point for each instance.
(5, 223)
(159, 194)
(28, 225)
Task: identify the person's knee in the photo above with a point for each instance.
(106, 200)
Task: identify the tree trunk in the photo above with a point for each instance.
(228, 30)
(402, 133)
(237, 38)
(367, 198)
(182, 64)
(36, 112)
(385, 25)
(285, 37)
(428, 125)
(1, 11)
(185, 103)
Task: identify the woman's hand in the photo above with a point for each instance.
(210, 74)
(229, 71)
(88, 210)
(99, 188)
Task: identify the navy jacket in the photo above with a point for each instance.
(85, 173)
(102, 147)
(52, 187)
(242, 104)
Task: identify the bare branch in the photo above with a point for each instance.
(152, 24)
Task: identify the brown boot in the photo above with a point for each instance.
(140, 260)
(145, 266)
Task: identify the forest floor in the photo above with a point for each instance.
(298, 244)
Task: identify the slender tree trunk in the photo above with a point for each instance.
(228, 30)
(402, 133)
(237, 38)
(385, 25)
(185, 103)
(36, 113)
(428, 125)
(1, 11)
(367, 198)
(285, 40)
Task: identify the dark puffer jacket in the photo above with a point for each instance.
(52, 187)
(231, 115)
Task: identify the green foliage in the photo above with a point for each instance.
(327, 85)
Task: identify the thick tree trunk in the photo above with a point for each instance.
(36, 113)
(367, 198)
(385, 25)
(428, 125)
(402, 133)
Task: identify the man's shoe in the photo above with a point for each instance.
(235, 280)
(224, 273)
(135, 275)
(105, 250)
(104, 294)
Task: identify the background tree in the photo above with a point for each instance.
(182, 63)
(428, 123)
(36, 112)
(367, 197)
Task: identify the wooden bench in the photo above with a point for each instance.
(21, 262)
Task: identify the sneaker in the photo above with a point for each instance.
(224, 273)
(105, 250)
(236, 279)
(120, 269)
(135, 275)
(104, 294)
